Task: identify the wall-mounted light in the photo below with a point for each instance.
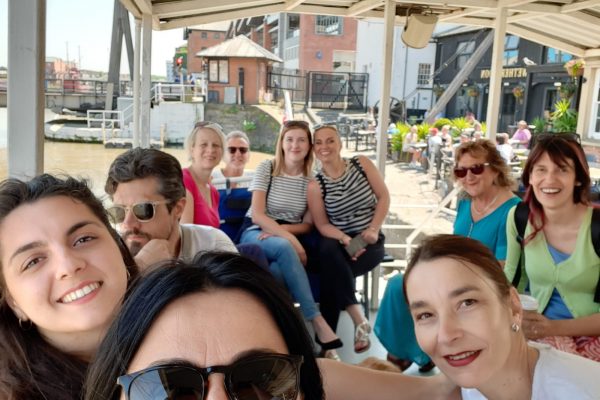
(505, 83)
(465, 84)
(557, 84)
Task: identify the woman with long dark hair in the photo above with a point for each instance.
(560, 261)
(183, 322)
(64, 272)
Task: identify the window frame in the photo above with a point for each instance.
(423, 77)
(465, 54)
(323, 27)
(222, 68)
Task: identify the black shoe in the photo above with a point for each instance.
(427, 367)
(334, 344)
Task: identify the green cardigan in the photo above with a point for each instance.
(575, 278)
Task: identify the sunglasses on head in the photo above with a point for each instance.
(256, 377)
(296, 124)
(143, 211)
(477, 169)
(558, 136)
(207, 124)
(330, 124)
(233, 149)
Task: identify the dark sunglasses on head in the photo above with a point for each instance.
(477, 169)
(233, 149)
(296, 123)
(558, 136)
(205, 124)
(255, 377)
(143, 211)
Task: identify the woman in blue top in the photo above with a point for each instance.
(481, 214)
(560, 262)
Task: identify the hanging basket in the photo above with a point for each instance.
(575, 67)
(567, 90)
(438, 90)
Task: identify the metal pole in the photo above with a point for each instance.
(136, 82)
(145, 86)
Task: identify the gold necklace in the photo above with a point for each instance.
(486, 208)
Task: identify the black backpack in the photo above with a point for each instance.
(521, 218)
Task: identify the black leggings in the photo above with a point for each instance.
(338, 273)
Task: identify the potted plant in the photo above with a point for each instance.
(473, 91)
(438, 90)
(567, 90)
(519, 91)
(574, 67)
(564, 118)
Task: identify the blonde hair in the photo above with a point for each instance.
(279, 161)
(190, 141)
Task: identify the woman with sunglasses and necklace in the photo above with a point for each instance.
(64, 271)
(219, 327)
(205, 146)
(279, 213)
(560, 261)
(236, 158)
(480, 214)
(349, 202)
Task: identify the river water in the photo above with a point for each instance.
(90, 161)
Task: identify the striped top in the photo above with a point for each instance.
(286, 200)
(349, 200)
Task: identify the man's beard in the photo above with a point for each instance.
(135, 246)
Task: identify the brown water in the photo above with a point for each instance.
(91, 161)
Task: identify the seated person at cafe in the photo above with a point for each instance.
(146, 187)
(504, 148)
(410, 140)
(522, 136)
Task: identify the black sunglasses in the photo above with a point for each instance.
(477, 169)
(233, 149)
(256, 377)
(296, 123)
(207, 124)
(143, 211)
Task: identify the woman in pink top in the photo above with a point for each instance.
(205, 148)
(523, 135)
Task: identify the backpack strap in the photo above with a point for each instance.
(521, 217)
(270, 180)
(596, 243)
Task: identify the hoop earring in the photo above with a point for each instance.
(27, 326)
(515, 327)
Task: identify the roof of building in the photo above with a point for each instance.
(220, 26)
(239, 46)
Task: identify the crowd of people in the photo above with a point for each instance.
(149, 299)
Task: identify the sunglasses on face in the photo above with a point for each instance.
(477, 169)
(143, 211)
(256, 377)
(233, 149)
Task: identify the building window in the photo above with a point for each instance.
(217, 35)
(555, 56)
(511, 50)
(424, 74)
(218, 71)
(203, 35)
(464, 50)
(293, 28)
(291, 53)
(328, 25)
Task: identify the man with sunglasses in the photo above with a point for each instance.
(146, 187)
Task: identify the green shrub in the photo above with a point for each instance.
(540, 124)
(564, 119)
(248, 126)
(423, 130)
(458, 125)
(441, 122)
(396, 141)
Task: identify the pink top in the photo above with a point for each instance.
(203, 214)
(522, 135)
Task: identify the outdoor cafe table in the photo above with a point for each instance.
(366, 136)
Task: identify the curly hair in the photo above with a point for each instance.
(487, 150)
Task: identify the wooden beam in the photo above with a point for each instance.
(292, 4)
(362, 6)
(132, 8)
(567, 8)
(472, 21)
(183, 8)
(145, 6)
(592, 53)
(458, 14)
(221, 16)
(495, 88)
(490, 4)
(544, 39)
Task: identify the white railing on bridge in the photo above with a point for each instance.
(179, 92)
(106, 120)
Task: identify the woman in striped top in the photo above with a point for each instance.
(279, 213)
(348, 199)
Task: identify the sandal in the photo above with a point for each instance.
(330, 354)
(362, 342)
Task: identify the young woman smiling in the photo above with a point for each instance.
(64, 272)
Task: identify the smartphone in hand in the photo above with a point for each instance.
(357, 243)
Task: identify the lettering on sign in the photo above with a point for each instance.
(506, 73)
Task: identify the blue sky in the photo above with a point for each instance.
(86, 26)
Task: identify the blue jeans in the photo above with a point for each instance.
(286, 267)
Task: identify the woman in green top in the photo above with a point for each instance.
(560, 261)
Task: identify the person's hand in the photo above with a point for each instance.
(535, 325)
(264, 235)
(299, 249)
(370, 235)
(154, 251)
